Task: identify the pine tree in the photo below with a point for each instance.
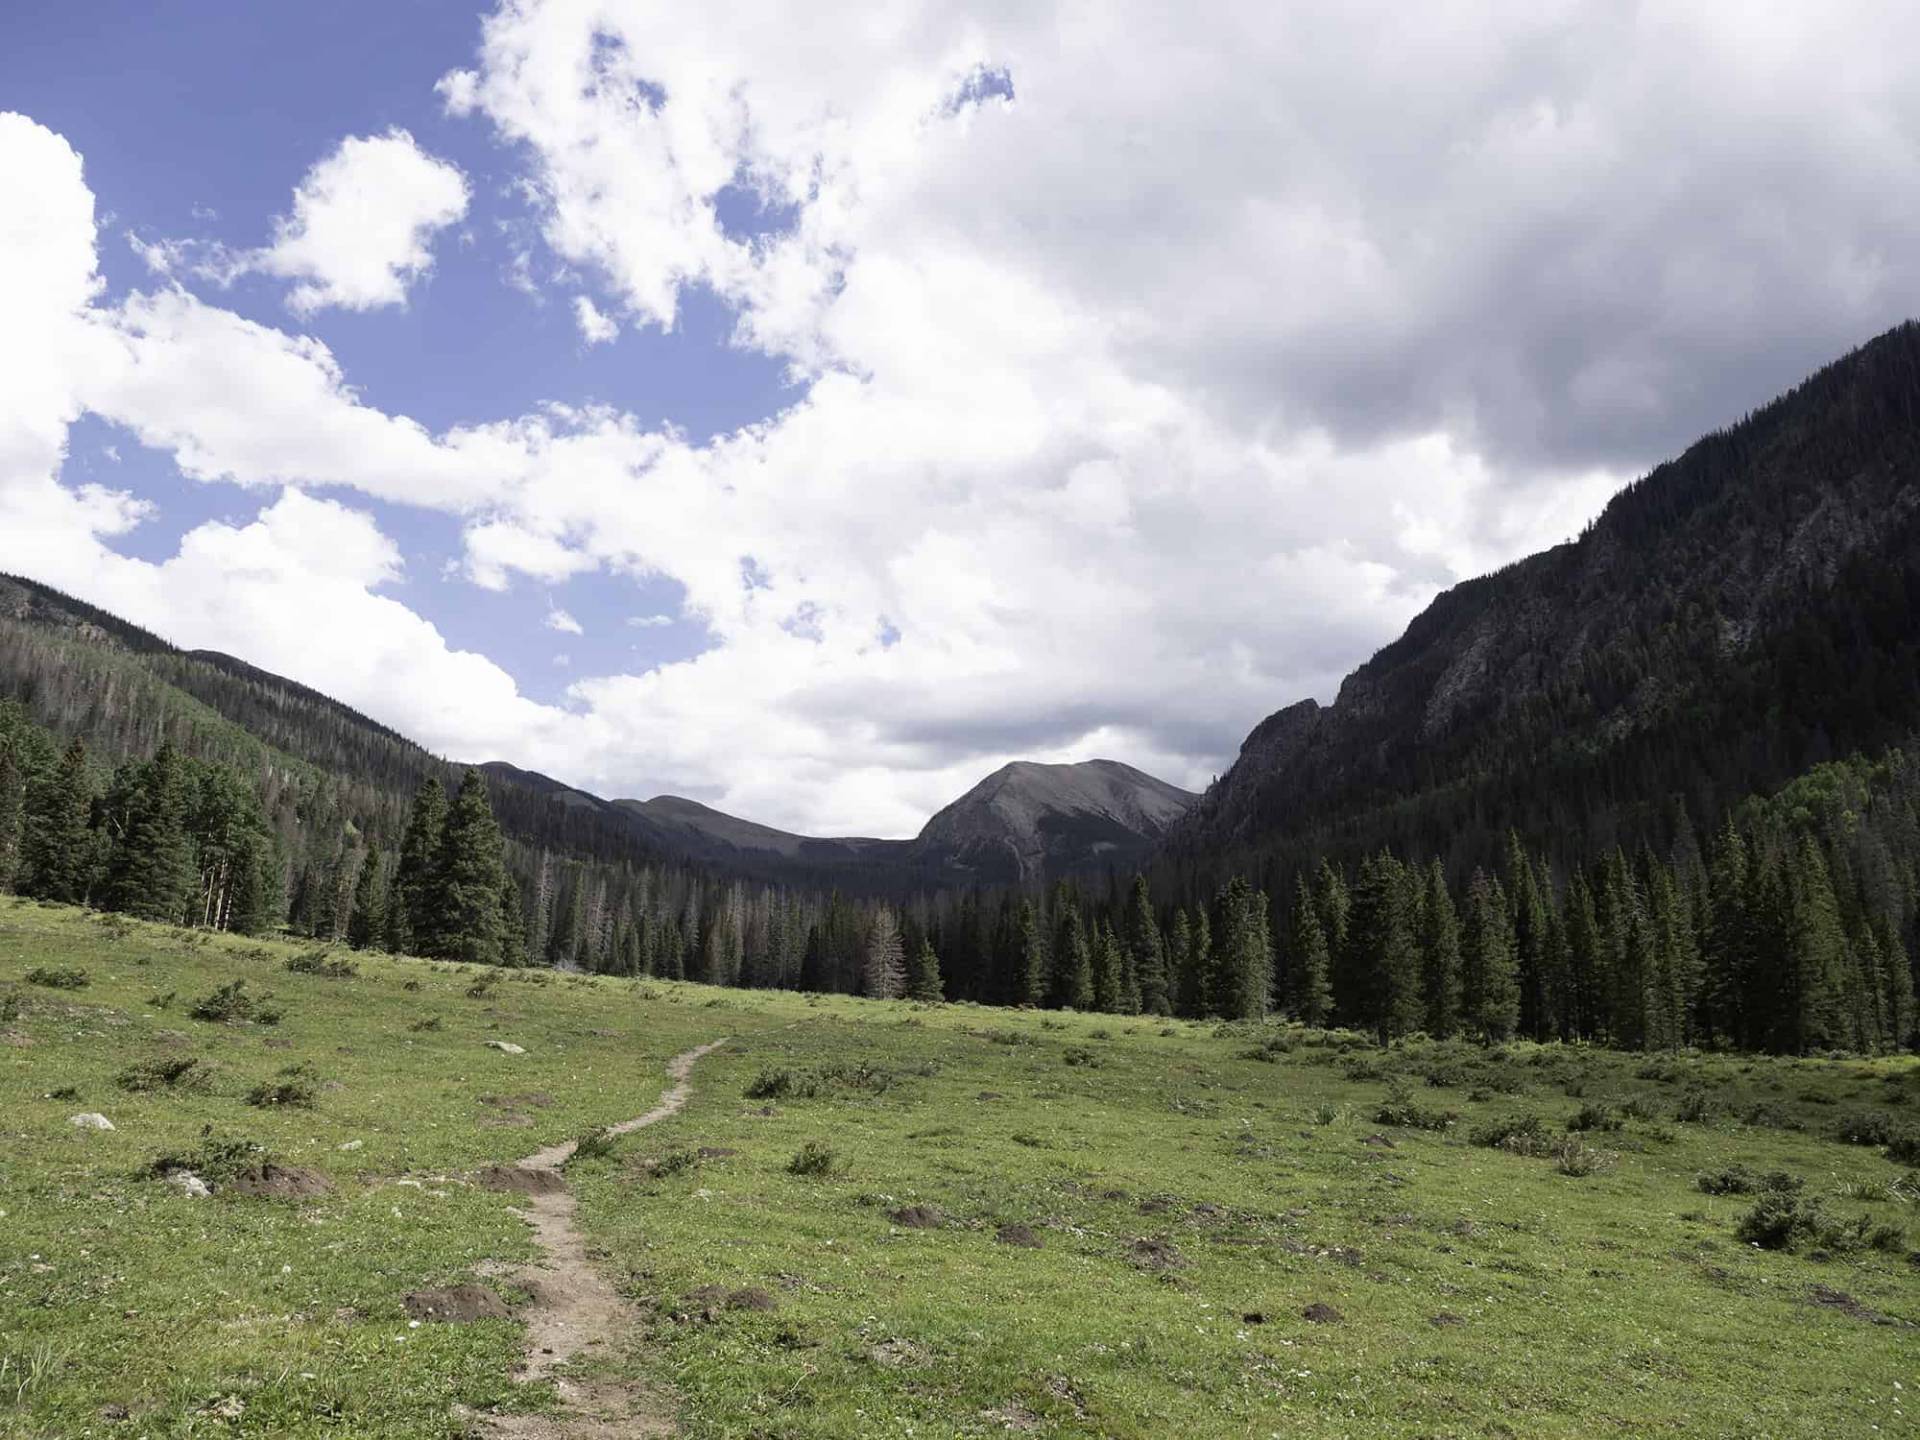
(462, 896)
(56, 844)
(368, 927)
(1312, 992)
(1817, 954)
(1383, 962)
(1109, 977)
(413, 910)
(13, 795)
(1490, 991)
(885, 971)
(1583, 958)
(150, 869)
(1149, 954)
(1182, 972)
(1527, 917)
(923, 975)
(1073, 961)
(1439, 946)
(513, 923)
(1030, 954)
(1243, 983)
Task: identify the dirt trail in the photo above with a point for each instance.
(576, 1310)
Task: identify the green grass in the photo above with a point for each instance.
(1193, 1189)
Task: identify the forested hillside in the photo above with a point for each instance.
(1737, 616)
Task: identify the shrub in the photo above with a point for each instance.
(595, 1144)
(215, 1159)
(482, 989)
(674, 1162)
(1079, 1055)
(1573, 1156)
(1694, 1107)
(173, 1073)
(1325, 1113)
(294, 1088)
(231, 1005)
(10, 1007)
(1783, 1221)
(1520, 1134)
(1866, 1127)
(1594, 1117)
(323, 962)
(1739, 1180)
(813, 1158)
(1903, 1146)
(425, 1022)
(1269, 1050)
(55, 978)
(1399, 1108)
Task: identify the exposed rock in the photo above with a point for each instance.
(188, 1183)
(506, 1047)
(92, 1120)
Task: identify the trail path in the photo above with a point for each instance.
(575, 1309)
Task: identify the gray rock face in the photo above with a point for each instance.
(90, 1121)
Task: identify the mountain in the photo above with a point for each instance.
(124, 690)
(1024, 822)
(1745, 611)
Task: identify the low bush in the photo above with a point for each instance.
(174, 1073)
(813, 1158)
(1866, 1127)
(54, 977)
(1519, 1134)
(323, 962)
(1739, 1180)
(1783, 1221)
(231, 1005)
(1594, 1117)
(294, 1088)
(1573, 1156)
(1400, 1108)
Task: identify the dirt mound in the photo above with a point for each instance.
(1157, 1254)
(1017, 1234)
(520, 1180)
(1827, 1298)
(918, 1217)
(712, 1299)
(715, 1152)
(272, 1181)
(456, 1305)
(1444, 1319)
(1321, 1313)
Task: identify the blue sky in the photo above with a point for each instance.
(197, 120)
(993, 382)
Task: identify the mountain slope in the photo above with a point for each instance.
(1742, 612)
(1026, 821)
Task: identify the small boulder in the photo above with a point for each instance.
(188, 1183)
(92, 1120)
(1321, 1313)
(506, 1047)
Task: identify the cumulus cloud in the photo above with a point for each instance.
(360, 232)
(595, 328)
(1150, 368)
(558, 619)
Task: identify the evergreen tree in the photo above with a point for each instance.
(56, 845)
(885, 971)
(1034, 966)
(1527, 918)
(1384, 966)
(1073, 960)
(150, 868)
(1109, 970)
(1149, 954)
(13, 796)
(1243, 984)
(513, 923)
(368, 927)
(1583, 958)
(1439, 946)
(923, 975)
(1490, 991)
(1817, 957)
(1312, 993)
(462, 895)
(413, 909)
(1182, 969)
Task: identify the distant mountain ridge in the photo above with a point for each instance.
(1026, 821)
(1744, 611)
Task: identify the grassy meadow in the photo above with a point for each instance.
(883, 1219)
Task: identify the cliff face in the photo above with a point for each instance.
(1740, 612)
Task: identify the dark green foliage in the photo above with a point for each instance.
(1739, 1180)
(1595, 1117)
(923, 974)
(595, 1144)
(57, 847)
(1783, 1220)
(294, 1087)
(1489, 977)
(216, 1159)
(813, 1159)
(56, 977)
(368, 927)
(324, 963)
(460, 909)
(1148, 952)
(1309, 961)
(232, 1005)
(151, 871)
(1903, 1146)
(1242, 985)
(1400, 1108)
(174, 1073)
(1520, 1134)
(1866, 1127)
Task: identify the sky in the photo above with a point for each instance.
(809, 409)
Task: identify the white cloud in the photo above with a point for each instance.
(558, 619)
(1126, 410)
(649, 622)
(595, 328)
